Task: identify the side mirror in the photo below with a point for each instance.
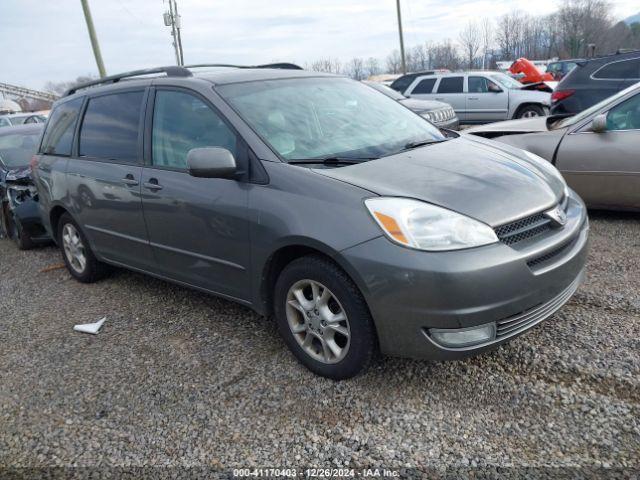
(493, 88)
(599, 123)
(211, 162)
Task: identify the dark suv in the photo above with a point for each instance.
(314, 199)
(594, 80)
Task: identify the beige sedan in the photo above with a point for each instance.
(597, 150)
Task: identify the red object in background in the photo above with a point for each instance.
(531, 73)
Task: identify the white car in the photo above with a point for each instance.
(482, 96)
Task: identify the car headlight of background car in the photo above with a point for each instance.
(424, 226)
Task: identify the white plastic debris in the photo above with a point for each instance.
(90, 327)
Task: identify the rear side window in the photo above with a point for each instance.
(181, 122)
(625, 69)
(402, 83)
(451, 85)
(425, 86)
(110, 127)
(58, 137)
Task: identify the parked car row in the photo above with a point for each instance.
(478, 96)
(11, 119)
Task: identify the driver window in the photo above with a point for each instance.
(181, 122)
(480, 85)
(625, 116)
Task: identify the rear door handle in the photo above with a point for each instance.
(129, 180)
(473, 98)
(152, 184)
(440, 99)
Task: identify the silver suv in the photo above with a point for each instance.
(481, 96)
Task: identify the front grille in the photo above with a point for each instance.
(523, 229)
(549, 255)
(527, 227)
(528, 318)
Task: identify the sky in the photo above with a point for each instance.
(45, 40)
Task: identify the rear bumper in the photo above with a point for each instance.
(410, 292)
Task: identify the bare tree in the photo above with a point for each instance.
(486, 37)
(470, 39)
(582, 22)
(60, 87)
(394, 64)
(355, 69)
(326, 65)
(444, 55)
(372, 66)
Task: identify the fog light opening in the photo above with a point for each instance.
(463, 337)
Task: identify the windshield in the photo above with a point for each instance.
(17, 149)
(313, 118)
(567, 122)
(388, 91)
(506, 81)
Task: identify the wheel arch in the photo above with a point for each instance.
(526, 104)
(289, 251)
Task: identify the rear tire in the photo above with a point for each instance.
(530, 111)
(329, 329)
(18, 235)
(76, 252)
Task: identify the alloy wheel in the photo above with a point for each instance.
(317, 321)
(74, 248)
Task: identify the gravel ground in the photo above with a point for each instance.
(180, 378)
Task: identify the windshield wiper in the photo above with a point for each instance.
(422, 143)
(333, 160)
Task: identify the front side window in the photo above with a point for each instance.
(58, 136)
(313, 118)
(625, 116)
(451, 85)
(110, 127)
(625, 69)
(181, 122)
(425, 86)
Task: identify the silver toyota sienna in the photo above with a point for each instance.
(313, 199)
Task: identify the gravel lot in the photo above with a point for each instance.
(180, 378)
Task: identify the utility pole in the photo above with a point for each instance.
(172, 19)
(404, 65)
(92, 36)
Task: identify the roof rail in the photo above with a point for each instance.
(283, 66)
(171, 71)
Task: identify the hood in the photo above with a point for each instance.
(20, 174)
(422, 105)
(523, 125)
(546, 86)
(488, 181)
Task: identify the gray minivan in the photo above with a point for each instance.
(316, 200)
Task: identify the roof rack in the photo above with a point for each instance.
(171, 71)
(283, 66)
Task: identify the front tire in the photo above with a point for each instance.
(530, 111)
(323, 318)
(76, 252)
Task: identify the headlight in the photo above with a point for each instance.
(426, 227)
(428, 116)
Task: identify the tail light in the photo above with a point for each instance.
(561, 95)
(33, 164)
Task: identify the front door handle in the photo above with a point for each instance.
(473, 98)
(440, 99)
(152, 184)
(129, 180)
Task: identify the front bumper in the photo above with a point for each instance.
(453, 124)
(410, 291)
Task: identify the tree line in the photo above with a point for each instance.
(567, 33)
